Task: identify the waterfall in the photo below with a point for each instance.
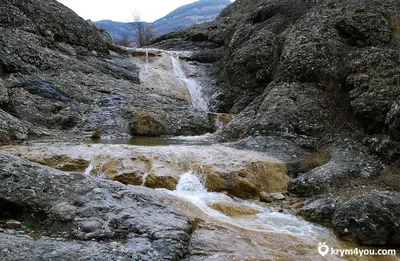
(191, 188)
(193, 87)
(190, 183)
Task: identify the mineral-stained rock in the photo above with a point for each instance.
(264, 197)
(371, 219)
(234, 210)
(241, 173)
(13, 224)
(277, 196)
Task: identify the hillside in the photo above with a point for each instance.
(183, 17)
(188, 15)
(117, 30)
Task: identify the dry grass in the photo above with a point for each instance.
(314, 160)
(145, 123)
(96, 135)
(4, 138)
(394, 22)
(390, 177)
(396, 30)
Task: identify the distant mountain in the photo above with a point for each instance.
(183, 17)
(118, 30)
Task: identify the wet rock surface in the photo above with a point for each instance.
(241, 173)
(133, 221)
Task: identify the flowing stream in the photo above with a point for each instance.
(245, 230)
(271, 235)
(192, 189)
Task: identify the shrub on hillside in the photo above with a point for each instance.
(145, 123)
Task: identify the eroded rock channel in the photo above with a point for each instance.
(254, 137)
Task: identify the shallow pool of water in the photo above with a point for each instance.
(205, 139)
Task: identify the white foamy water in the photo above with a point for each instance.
(194, 88)
(89, 169)
(203, 137)
(191, 188)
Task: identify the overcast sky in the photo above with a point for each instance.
(123, 10)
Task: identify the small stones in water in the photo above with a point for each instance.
(277, 196)
(13, 224)
(264, 197)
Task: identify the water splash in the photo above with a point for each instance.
(191, 188)
(190, 184)
(194, 89)
(89, 169)
(218, 124)
(144, 178)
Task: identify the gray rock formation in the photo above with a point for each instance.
(348, 161)
(102, 219)
(371, 219)
(57, 74)
(319, 210)
(303, 68)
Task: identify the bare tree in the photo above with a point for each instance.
(143, 32)
(124, 41)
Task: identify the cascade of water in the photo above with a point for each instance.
(194, 89)
(190, 183)
(218, 124)
(89, 169)
(144, 177)
(191, 188)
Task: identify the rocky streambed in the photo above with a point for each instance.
(167, 202)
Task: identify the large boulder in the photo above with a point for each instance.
(287, 107)
(371, 219)
(320, 210)
(126, 222)
(348, 160)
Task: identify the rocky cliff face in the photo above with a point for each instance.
(57, 73)
(323, 74)
(304, 68)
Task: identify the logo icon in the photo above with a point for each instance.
(323, 249)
